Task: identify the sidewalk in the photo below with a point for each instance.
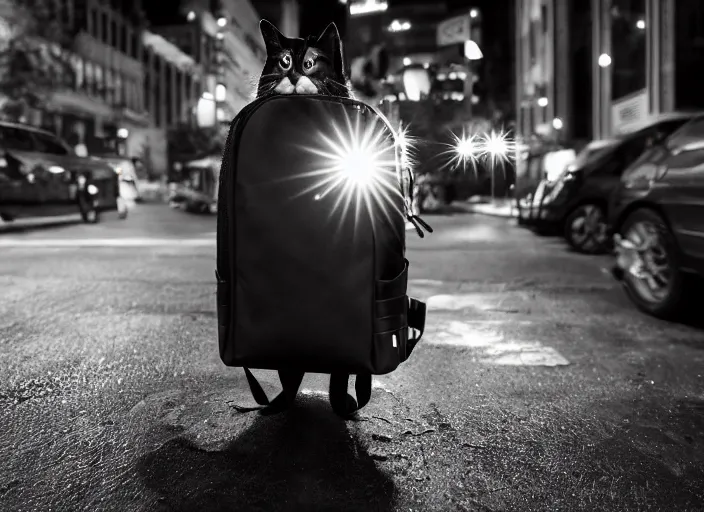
(499, 207)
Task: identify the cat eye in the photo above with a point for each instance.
(308, 65)
(285, 61)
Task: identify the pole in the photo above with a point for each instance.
(469, 83)
(468, 89)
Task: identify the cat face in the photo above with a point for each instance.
(302, 66)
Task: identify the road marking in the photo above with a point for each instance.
(485, 335)
(109, 242)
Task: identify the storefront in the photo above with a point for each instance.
(634, 55)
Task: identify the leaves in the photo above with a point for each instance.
(35, 54)
(196, 142)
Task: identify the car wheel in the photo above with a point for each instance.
(586, 229)
(651, 271)
(87, 208)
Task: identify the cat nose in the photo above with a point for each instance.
(294, 77)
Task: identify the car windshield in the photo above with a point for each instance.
(47, 143)
(15, 138)
(590, 153)
(20, 139)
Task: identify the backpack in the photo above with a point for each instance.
(313, 204)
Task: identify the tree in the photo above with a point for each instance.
(35, 54)
(186, 142)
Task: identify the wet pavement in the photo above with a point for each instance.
(536, 387)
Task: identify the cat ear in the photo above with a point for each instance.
(272, 36)
(329, 41)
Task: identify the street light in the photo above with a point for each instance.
(543, 102)
(604, 60)
(472, 51)
(222, 22)
(473, 13)
(399, 26)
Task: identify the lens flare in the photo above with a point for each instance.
(463, 150)
(358, 165)
(498, 147)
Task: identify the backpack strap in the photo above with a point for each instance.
(416, 320)
(290, 382)
(341, 401)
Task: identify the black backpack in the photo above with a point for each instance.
(311, 273)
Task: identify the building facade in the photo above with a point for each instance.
(132, 85)
(602, 67)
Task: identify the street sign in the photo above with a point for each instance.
(454, 30)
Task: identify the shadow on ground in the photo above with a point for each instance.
(305, 459)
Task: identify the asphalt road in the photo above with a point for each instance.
(536, 387)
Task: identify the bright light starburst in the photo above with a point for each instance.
(464, 150)
(498, 147)
(470, 149)
(358, 165)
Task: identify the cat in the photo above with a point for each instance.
(314, 65)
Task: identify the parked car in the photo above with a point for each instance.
(530, 179)
(657, 216)
(40, 176)
(198, 192)
(577, 204)
(127, 173)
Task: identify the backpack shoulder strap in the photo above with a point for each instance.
(290, 382)
(345, 404)
(341, 401)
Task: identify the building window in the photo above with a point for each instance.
(105, 26)
(119, 91)
(99, 80)
(109, 85)
(134, 47)
(79, 74)
(628, 36)
(93, 21)
(89, 78)
(114, 34)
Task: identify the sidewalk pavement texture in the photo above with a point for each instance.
(499, 207)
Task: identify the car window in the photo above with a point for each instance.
(49, 144)
(686, 159)
(662, 130)
(691, 132)
(15, 138)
